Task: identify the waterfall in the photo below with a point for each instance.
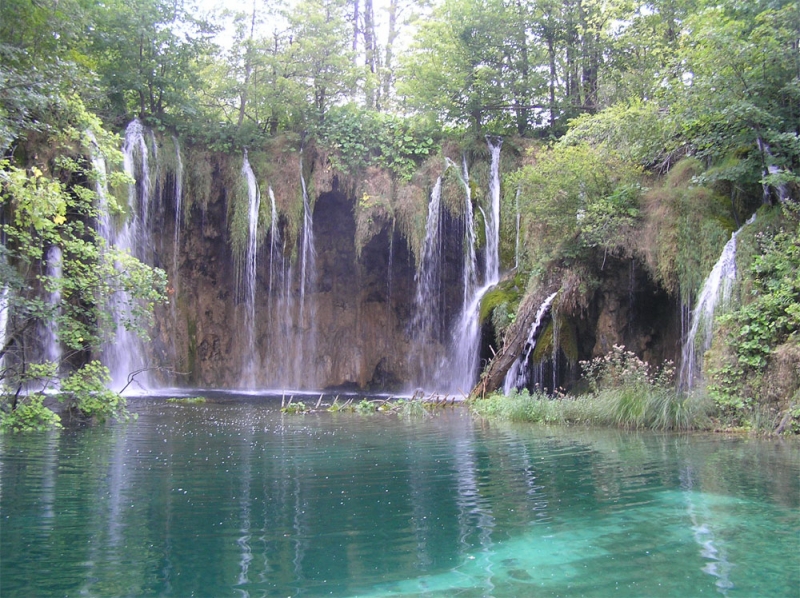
(307, 266)
(470, 261)
(770, 168)
(3, 319)
(461, 370)
(426, 324)
(493, 221)
(124, 353)
(247, 278)
(715, 293)
(275, 237)
(518, 376)
(517, 222)
(178, 209)
(303, 364)
(52, 346)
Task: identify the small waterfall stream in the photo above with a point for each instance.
(3, 319)
(714, 294)
(178, 210)
(461, 372)
(493, 220)
(247, 278)
(519, 374)
(124, 354)
(426, 324)
(52, 346)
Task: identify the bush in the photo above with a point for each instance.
(30, 415)
(626, 392)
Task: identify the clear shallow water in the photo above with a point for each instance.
(231, 498)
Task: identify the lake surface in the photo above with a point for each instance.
(232, 498)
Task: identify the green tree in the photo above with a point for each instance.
(741, 109)
(49, 205)
(148, 54)
(319, 53)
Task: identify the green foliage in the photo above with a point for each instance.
(507, 294)
(686, 226)
(737, 99)
(626, 393)
(638, 132)
(768, 317)
(576, 197)
(53, 204)
(362, 138)
(292, 408)
(187, 400)
(86, 392)
(520, 406)
(630, 393)
(29, 415)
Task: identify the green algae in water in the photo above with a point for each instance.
(233, 498)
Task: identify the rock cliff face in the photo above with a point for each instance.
(349, 327)
(625, 308)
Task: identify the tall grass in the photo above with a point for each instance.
(625, 393)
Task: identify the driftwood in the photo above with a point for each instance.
(513, 345)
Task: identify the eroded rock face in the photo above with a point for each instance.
(629, 309)
(353, 329)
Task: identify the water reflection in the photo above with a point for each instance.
(236, 499)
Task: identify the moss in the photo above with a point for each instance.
(191, 330)
(507, 293)
(198, 175)
(567, 341)
(374, 210)
(686, 226)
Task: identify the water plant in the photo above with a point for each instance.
(187, 400)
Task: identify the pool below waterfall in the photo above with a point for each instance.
(234, 498)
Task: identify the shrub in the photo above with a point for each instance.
(30, 415)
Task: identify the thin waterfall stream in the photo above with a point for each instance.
(461, 373)
(124, 354)
(519, 375)
(714, 294)
(250, 363)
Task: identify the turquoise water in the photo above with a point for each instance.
(231, 498)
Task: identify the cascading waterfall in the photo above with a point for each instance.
(52, 346)
(493, 220)
(124, 354)
(460, 373)
(308, 263)
(519, 374)
(517, 223)
(469, 271)
(426, 325)
(178, 209)
(715, 293)
(247, 278)
(771, 169)
(302, 338)
(275, 238)
(3, 320)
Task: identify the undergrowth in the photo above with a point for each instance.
(625, 392)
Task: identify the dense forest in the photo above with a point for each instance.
(637, 135)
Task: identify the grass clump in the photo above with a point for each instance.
(187, 400)
(625, 392)
(628, 392)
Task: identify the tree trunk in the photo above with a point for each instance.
(513, 345)
(370, 54)
(388, 75)
(248, 68)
